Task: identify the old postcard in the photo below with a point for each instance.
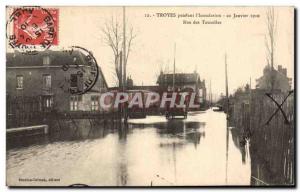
(150, 96)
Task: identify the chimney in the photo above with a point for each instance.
(279, 68)
(284, 72)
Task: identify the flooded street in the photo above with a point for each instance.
(152, 151)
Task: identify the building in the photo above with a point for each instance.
(129, 82)
(45, 77)
(184, 81)
(279, 78)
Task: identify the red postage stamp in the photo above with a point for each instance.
(33, 28)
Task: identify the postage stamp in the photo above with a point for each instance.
(32, 29)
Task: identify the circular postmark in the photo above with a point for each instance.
(32, 29)
(81, 71)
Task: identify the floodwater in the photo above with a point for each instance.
(152, 151)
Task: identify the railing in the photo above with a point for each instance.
(47, 91)
(25, 111)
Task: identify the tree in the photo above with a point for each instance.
(247, 88)
(270, 41)
(114, 38)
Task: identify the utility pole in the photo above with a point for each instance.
(124, 63)
(120, 109)
(121, 70)
(174, 67)
(250, 104)
(226, 82)
(227, 119)
(210, 94)
(124, 49)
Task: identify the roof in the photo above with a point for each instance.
(57, 58)
(179, 78)
(146, 87)
(17, 59)
(273, 80)
(139, 87)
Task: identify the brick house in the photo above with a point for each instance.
(42, 76)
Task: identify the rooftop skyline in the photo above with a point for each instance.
(198, 47)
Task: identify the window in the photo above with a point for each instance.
(73, 80)
(95, 103)
(74, 102)
(200, 92)
(47, 81)
(76, 82)
(20, 81)
(47, 102)
(46, 60)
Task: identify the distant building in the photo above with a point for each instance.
(279, 78)
(129, 82)
(42, 76)
(184, 81)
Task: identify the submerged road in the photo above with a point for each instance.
(152, 151)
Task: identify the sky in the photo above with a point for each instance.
(199, 47)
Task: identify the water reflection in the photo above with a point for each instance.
(152, 151)
(239, 143)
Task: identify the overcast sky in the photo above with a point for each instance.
(200, 47)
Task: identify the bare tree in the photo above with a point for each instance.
(114, 38)
(270, 42)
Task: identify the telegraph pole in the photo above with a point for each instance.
(226, 82)
(124, 62)
(250, 103)
(174, 67)
(210, 94)
(124, 49)
(120, 60)
(227, 118)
